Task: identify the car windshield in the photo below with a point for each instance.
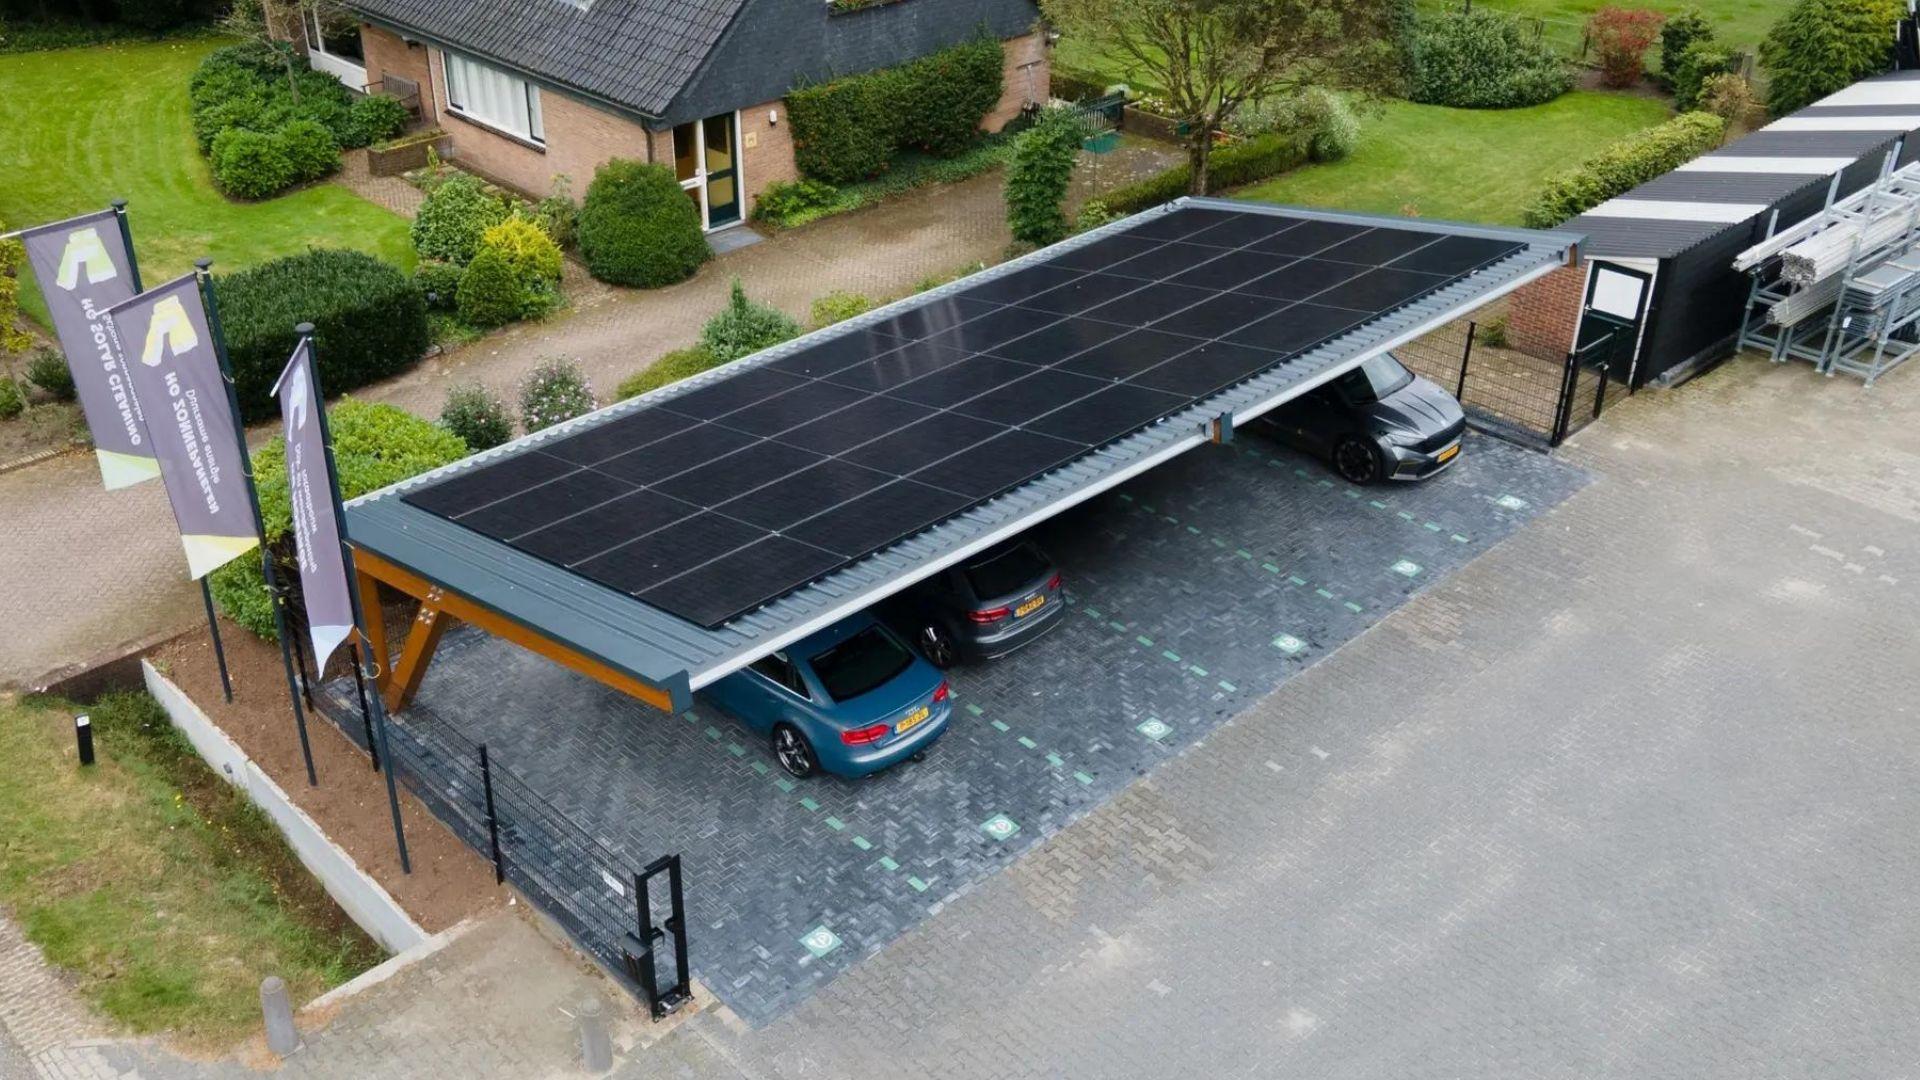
(863, 662)
(1374, 380)
(1009, 571)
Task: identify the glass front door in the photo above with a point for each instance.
(706, 159)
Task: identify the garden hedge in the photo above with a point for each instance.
(1039, 175)
(1821, 46)
(248, 88)
(452, 218)
(1626, 164)
(852, 128)
(373, 446)
(637, 227)
(1228, 166)
(369, 321)
(1484, 59)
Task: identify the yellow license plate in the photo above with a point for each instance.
(1029, 607)
(914, 719)
(1449, 453)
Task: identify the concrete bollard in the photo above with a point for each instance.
(596, 1046)
(282, 1037)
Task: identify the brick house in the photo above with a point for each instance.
(530, 90)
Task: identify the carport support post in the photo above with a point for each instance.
(1466, 357)
(385, 753)
(204, 274)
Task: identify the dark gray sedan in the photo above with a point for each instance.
(1376, 422)
(984, 608)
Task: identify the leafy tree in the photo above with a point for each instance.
(1621, 37)
(1214, 56)
(1039, 174)
(1821, 46)
(12, 257)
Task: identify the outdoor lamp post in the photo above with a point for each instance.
(83, 732)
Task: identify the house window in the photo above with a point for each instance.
(494, 98)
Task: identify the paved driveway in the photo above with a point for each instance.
(1192, 593)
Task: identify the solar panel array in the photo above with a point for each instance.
(718, 500)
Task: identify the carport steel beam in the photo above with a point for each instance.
(439, 601)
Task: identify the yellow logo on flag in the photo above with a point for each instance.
(170, 329)
(84, 251)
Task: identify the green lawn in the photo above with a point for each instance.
(79, 127)
(1462, 164)
(1740, 23)
(160, 890)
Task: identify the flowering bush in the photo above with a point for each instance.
(1621, 39)
(554, 392)
(478, 416)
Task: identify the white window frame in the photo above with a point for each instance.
(534, 135)
(348, 70)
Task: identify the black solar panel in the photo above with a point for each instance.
(717, 500)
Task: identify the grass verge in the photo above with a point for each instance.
(162, 889)
(910, 171)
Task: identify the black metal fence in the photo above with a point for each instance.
(1517, 396)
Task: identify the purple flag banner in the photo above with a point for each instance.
(84, 268)
(316, 523)
(162, 341)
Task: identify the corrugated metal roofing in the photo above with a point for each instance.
(676, 655)
(1652, 221)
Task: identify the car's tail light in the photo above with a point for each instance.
(1053, 582)
(862, 736)
(940, 693)
(990, 615)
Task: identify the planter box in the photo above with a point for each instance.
(407, 155)
(1137, 121)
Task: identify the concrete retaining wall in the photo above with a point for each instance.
(362, 898)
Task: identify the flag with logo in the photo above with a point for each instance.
(316, 526)
(162, 341)
(84, 268)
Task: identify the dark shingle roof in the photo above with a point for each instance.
(634, 53)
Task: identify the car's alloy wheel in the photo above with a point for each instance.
(937, 645)
(1356, 461)
(793, 752)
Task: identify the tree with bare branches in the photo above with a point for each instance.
(1210, 57)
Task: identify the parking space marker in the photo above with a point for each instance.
(1028, 743)
(1083, 778)
(974, 709)
(1376, 504)
(1093, 612)
(1056, 760)
(1296, 579)
(1353, 607)
(1197, 670)
(1000, 827)
(1407, 568)
(713, 733)
(1269, 568)
(820, 941)
(1322, 592)
(1219, 543)
(1227, 686)
(1000, 726)
(1288, 644)
(1404, 516)
(783, 784)
(759, 767)
(887, 864)
(863, 843)
(835, 823)
(1171, 655)
(918, 885)
(1193, 530)
(736, 749)
(1144, 640)
(810, 803)
(1458, 539)
(1511, 502)
(1120, 626)
(1154, 729)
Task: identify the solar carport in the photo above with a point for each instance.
(661, 543)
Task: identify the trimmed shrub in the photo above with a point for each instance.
(373, 446)
(1321, 119)
(369, 321)
(1821, 46)
(557, 215)
(477, 416)
(12, 401)
(671, 368)
(637, 227)
(787, 199)
(552, 393)
(1731, 98)
(250, 164)
(1676, 34)
(1484, 59)
(837, 306)
(528, 250)
(1493, 332)
(439, 283)
(490, 293)
(1626, 164)
(1039, 175)
(1229, 166)
(375, 117)
(48, 370)
(452, 218)
(310, 149)
(851, 129)
(744, 327)
(1621, 39)
(1702, 61)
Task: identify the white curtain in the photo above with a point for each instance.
(494, 97)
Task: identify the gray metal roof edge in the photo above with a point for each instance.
(687, 655)
(546, 82)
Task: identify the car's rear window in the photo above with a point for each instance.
(1011, 570)
(1374, 379)
(863, 662)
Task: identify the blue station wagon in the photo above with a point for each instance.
(851, 700)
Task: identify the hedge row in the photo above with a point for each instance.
(1626, 164)
(1228, 166)
(851, 129)
(249, 88)
(369, 321)
(1483, 59)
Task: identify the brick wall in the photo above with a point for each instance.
(1543, 316)
(766, 148)
(386, 54)
(1022, 84)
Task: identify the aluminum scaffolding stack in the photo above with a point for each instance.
(1841, 290)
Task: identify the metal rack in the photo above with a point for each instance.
(1841, 290)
